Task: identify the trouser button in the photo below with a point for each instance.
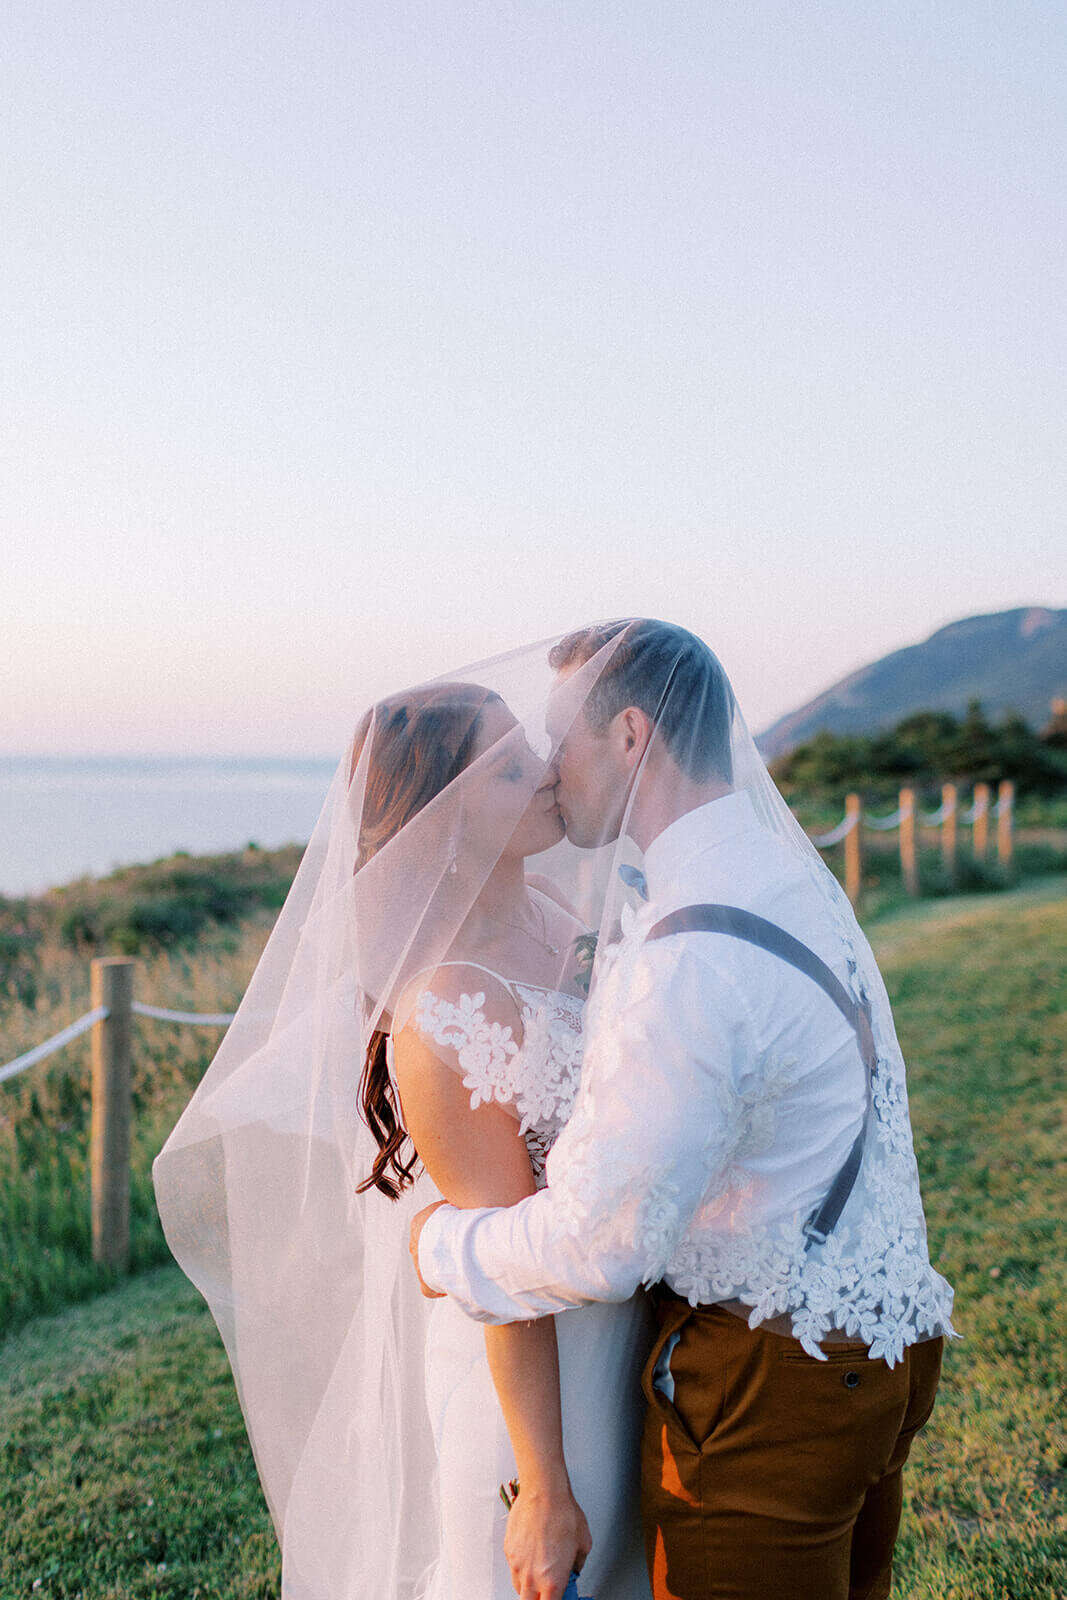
(852, 1380)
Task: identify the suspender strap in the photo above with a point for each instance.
(739, 924)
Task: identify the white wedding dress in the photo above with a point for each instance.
(601, 1346)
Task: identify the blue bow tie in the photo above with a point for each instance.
(634, 878)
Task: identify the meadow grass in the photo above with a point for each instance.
(980, 996)
(124, 1469)
(46, 1260)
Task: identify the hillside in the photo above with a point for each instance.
(127, 1475)
(1009, 660)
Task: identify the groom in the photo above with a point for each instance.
(724, 1100)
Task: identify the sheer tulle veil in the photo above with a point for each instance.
(258, 1186)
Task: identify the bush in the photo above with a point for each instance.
(22, 928)
(170, 903)
(924, 750)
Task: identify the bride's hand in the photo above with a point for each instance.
(547, 1539)
(418, 1222)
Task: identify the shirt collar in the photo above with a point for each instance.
(691, 834)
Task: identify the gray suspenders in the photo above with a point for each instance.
(768, 936)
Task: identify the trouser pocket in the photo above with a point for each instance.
(683, 1378)
(657, 1380)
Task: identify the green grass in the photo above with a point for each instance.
(980, 996)
(46, 1261)
(125, 1472)
(124, 1469)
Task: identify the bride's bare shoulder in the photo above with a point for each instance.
(455, 1001)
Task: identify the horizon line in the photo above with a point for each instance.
(166, 755)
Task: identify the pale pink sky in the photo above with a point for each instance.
(347, 345)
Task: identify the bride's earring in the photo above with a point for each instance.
(452, 856)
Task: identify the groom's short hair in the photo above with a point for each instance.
(670, 675)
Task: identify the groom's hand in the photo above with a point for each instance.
(547, 1539)
(418, 1222)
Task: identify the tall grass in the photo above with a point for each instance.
(46, 1259)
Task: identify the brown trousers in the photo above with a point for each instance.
(773, 1476)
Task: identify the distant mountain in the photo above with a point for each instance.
(1009, 660)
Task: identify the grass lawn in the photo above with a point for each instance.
(980, 995)
(124, 1469)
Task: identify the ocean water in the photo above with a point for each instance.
(63, 817)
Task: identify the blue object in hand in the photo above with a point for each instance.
(571, 1591)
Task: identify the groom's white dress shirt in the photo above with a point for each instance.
(721, 1093)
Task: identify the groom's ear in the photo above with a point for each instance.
(632, 729)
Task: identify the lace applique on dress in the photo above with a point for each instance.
(483, 1049)
(872, 1277)
(537, 1079)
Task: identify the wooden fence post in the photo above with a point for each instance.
(949, 809)
(853, 852)
(981, 820)
(1005, 813)
(112, 986)
(909, 858)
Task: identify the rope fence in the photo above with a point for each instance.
(887, 824)
(908, 816)
(49, 1047)
(195, 1019)
(843, 829)
(74, 1030)
(109, 1022)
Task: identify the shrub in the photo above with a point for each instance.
(22, 929)
(170, 903)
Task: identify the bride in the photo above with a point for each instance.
(413, 1030)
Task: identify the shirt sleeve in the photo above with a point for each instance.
(655, 1125)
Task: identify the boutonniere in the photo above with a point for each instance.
(584, 956)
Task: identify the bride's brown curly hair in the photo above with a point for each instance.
(419, 743)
